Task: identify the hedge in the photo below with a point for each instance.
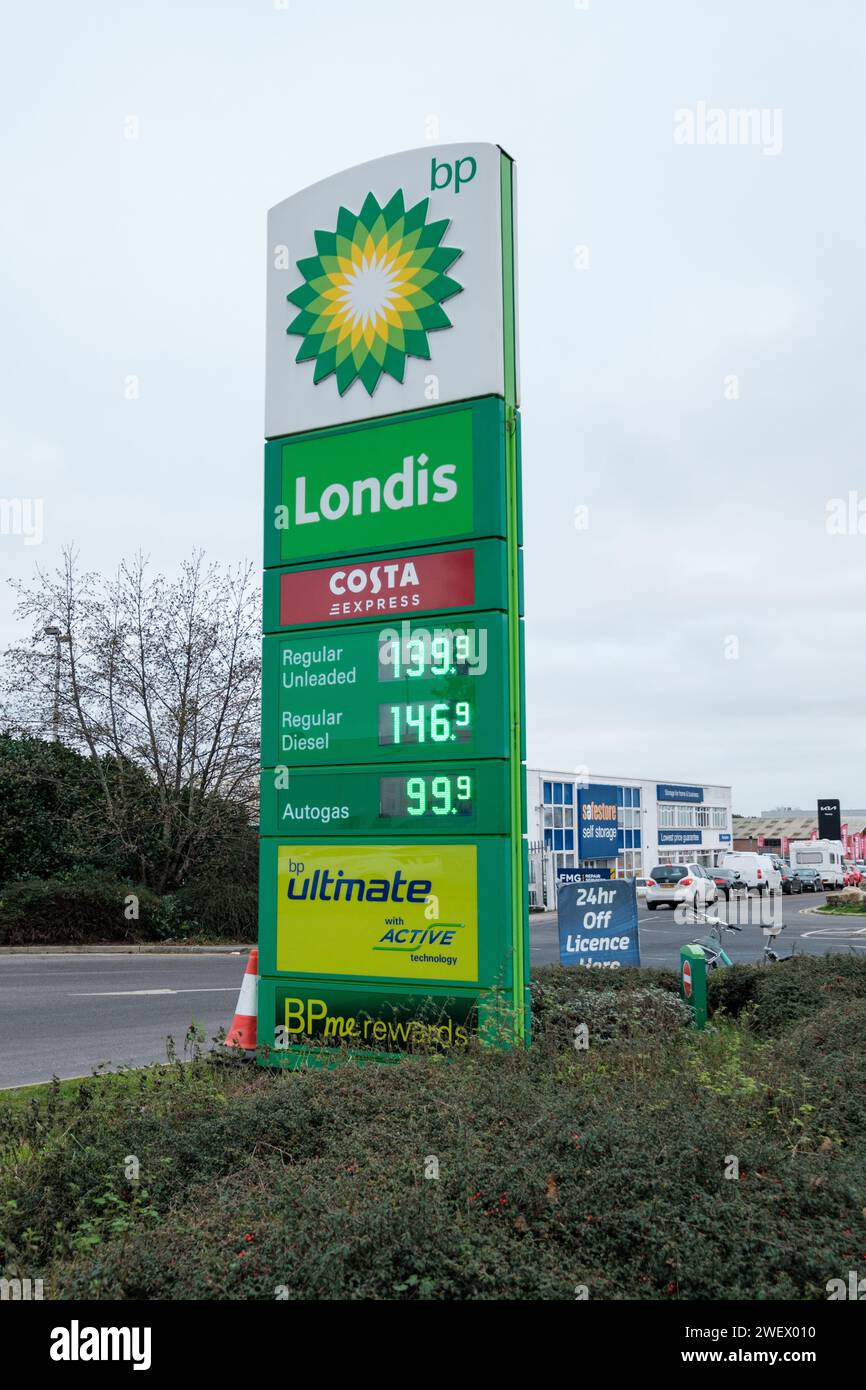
(75, 909)
(559, 1170)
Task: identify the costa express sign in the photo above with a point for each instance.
(392, 584)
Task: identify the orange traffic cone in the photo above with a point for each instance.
(243, 1030)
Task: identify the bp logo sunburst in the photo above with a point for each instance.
(373, 292)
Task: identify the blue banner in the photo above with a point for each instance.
(597, 823)
(598, 924)
(680, 837)
(668, 791)
(584, 875)
(725, 839)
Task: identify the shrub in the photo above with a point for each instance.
(86, 906)
(555, 1168)
(619, 1013)
(554, 985)
(775, 996)
(733, 989)
(215, 908)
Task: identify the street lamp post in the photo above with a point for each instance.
(58, 638)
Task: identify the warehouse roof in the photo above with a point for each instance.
(791, 825)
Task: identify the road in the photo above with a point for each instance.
(662, 933)
(63, 1015)
(66, 1014)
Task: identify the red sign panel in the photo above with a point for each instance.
(386, 587)
(687, 979)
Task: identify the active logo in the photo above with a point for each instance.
(373, 292)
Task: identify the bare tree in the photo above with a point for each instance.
(143, 672)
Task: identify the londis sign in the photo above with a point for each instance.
(390, 289)
(415, 480)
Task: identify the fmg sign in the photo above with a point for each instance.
(597, 823)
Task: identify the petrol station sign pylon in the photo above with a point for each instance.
(393, 904)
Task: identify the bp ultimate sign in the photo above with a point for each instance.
(392, 883)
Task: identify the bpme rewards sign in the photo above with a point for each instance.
(392, 887)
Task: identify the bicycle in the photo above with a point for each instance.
(716, 954)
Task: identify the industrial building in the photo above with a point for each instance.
(627, 824)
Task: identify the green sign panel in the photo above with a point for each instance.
(413, 479)
(432, 691)
(410, 797)
(392, 904)
(361, 1015)
(410, 910)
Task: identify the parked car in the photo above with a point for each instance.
(852, 876)
(810, 879)
(790, 882)
(640, 886)
(755, 870)
(728, 881)
(671, 884)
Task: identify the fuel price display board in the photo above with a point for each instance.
(452, 799)
(368, 694)
(392, 904)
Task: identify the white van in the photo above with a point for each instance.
(757, 871)
(823, 855)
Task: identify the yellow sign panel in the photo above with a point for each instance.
(378, 911)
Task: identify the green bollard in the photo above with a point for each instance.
(693, 982)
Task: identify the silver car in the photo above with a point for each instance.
(671, 884)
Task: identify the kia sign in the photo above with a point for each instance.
(598, 924)
(829, 819)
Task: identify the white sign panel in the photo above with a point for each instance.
(385, 289)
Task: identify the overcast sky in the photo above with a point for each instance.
(707, 497)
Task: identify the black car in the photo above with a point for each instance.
(810, 880)
(727, 882)
(791, 883)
